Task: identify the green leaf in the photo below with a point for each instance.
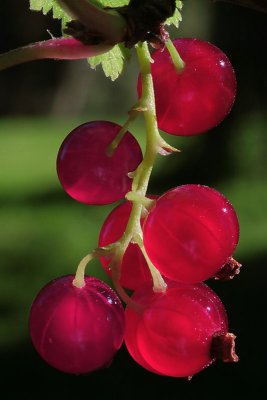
(49, 5)
(52, 5)
(112, 61)
(110, 3)
(177, 17)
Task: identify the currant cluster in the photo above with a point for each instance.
(173, 324)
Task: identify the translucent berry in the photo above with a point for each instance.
(87, 171)
(77, 330)
(199, 97)
(191, 233)
(172, 333)
(134, 269)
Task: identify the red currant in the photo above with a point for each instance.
(77, 330)
(173, 333)
(198, 98)
(191, 233)
(85, 169)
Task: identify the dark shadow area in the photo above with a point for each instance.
(244, 298)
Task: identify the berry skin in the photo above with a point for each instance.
(198, 98)
(85, 170)
(77, 330)
(173, 333)
(134, 269)
(191, 233)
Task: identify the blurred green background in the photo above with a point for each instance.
(44, 233)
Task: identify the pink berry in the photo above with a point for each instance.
(77, 330)
(191, 233)
(172, 334)
(198, 98)
(85, 169)
(134, 269)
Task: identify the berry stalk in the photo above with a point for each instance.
(79, 281)
(175, 56)
(142, 174)
(133, 231)
(114, 144)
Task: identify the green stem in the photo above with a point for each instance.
(145, 201)
(98, 252)
(114, 144)
(159, 284)
(143, 172)
(78, 281)
(123, 295)
(176, 58)
(133, 231)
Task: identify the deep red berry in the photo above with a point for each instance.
(173, 334)
(77, 330)
(190, 233)
(199, 97)
(85, 169)
(134, 269)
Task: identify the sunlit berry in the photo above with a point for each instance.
(77, 330)
(197, 98)
(88, 172)
(191, 233)
(173, 332)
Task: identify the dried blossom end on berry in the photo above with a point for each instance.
(223, 347)
(228, 271)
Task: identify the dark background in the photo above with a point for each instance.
(44, 234)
